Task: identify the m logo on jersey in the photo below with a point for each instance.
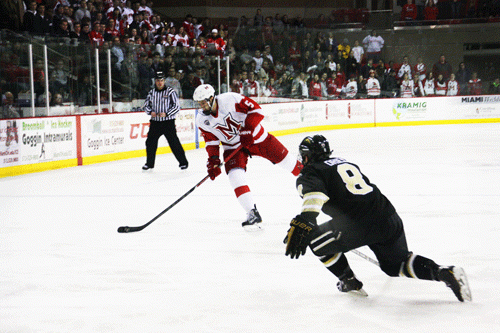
(230, 128)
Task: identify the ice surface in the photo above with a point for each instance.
(64, 267)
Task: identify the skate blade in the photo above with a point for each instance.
(253, 228)
(358, 293)
(464, 283)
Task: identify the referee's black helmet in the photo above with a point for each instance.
(160, 75)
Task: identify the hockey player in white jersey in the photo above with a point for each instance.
(233, 120)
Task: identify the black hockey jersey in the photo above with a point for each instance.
(349, 192)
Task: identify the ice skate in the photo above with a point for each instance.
(352, 286)
(455, 278)
(253, 220)
(146, 167)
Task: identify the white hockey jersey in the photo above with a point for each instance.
(232, 112)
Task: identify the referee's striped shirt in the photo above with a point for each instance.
(160, 101)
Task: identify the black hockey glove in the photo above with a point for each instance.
(297, 238)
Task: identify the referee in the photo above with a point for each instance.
(162, 104)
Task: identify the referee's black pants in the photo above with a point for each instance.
(156, 130)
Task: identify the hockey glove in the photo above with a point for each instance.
(213, 167)
(297, 238)
(246, 138)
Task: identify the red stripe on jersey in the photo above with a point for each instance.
(245, 105)
(253, 119)
(241, 190)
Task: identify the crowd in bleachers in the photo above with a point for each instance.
(271, 56)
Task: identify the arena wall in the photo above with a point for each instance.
(37, 144)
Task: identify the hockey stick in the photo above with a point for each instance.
(139, 228)
(364, 256)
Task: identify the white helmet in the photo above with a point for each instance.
(203, 93)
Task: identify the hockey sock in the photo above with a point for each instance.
(419, 267)
(336, 263)
(291, 164)
(238, 182)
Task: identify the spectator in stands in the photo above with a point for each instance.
(441, 86)
(373, 86)
(111, 31)
(345, 48)
(494, 88)
(181, 38)
(172, 82)
(475, 86)
(390, 87)
(431, 12)
(57, 17)
(68, 16)
(266, 54)
(284, 85)
(420, 69)
(315, 88)
(278, 26)
(352, 66)
(294, 56)
(57, 100)
(254, 88)
(319, 62)
(358, 51)
(41, 21)
(406, 86)
(409, 12)
(405, 68)
(267, 31)
(351, 88)
(136, 23)
(418, 88)
(59, 78)
(77, 31)
(366, 68)
(258, 19)
(258, 60)
(333, 90)
(463, 76)
(331, 41)
(429, 85)
(442, 67)
(215, 44)
(299, 86)
(373, 44)
(452, 86)
(8, 110)
(85, 34)
(380, 70)
(330, 64)
(29, 17)
(362, 91)
(95, 37)
(189, 84)
(82, 12)
(63, 30)
(118, 53)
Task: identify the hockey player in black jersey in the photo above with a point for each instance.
(360, 215)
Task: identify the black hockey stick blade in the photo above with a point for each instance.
(124, 230)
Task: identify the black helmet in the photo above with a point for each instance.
(160, 75)
(316, 148)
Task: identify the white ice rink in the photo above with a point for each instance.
(64, 267)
